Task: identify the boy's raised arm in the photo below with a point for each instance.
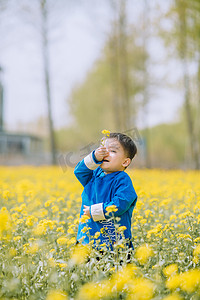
(84, 169)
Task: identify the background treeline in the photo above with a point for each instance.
(120, 88)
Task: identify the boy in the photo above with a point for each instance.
(106, 184)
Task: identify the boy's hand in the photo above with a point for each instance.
(87, 211)
(100, 153)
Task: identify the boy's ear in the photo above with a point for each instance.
(126, 162)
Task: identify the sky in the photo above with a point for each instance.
(76, 41)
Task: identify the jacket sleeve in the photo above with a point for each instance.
(124, 197)
(84, 169)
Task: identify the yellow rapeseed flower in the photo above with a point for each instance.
(156, 230)
(196, 251)
(55, 209)
(71, 241)
(190, 280)
(62, 241)
(5, 222)
(141, 289)
(195, 259)
(30, 220)
(173, 282)
(196, 254)
(170, 270)
(62, 266)
(70, 231)
(12, 252)
(105, 288)
(106, 132)
(85, 229)
(168, 213)
(47, 203)
(122, 228)
(122, 277)
(60, 229)
(111, 208)
(102, 230)
(52, 262)
(84, 218)
(174, 296)
(17, 238)
(6, 194)
(39, 230)
(89, 291)
(80, 254)
(143, 253)
(56, 295)
(32, 249)
(97, 234)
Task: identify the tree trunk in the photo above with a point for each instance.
(120, 67)
(45, 53)
(115, 81)
(198, 114)
(146, 86)
(123, 64)
(183, 55)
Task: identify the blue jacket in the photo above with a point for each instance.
(100, 191)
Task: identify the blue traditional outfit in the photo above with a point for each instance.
(100, 191)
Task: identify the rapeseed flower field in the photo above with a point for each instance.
(39, 216)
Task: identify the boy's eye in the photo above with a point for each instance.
(113, 151)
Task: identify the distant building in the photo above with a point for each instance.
(18, 148)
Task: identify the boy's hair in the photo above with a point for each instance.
(126, 142)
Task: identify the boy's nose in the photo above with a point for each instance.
(107, 153)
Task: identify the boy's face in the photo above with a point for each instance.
(116, 159)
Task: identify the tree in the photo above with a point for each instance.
(146, 96)
(119, 61)
(97, 102)
(39, 13)
(183, 14)
(194, 33)
(45, 54)
(184, 37)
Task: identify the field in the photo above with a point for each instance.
(39, 216)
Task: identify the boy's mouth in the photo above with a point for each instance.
(105, 160)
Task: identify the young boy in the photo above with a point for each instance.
(105, 184)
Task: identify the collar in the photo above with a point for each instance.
(101, 173)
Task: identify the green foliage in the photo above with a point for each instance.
(68, 139)
(183, 36)
(90, 103)
(93, 103)
(168, 145)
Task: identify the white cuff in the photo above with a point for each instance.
(97, 212)
(89, 162)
